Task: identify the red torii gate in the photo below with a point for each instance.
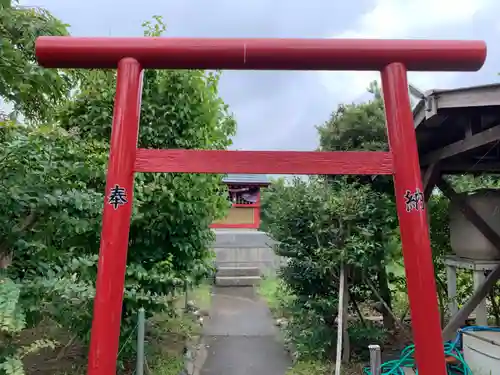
(393, 58)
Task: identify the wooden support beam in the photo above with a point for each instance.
(264, 162)
(469, 125)
(460, 167)
(481, 310)
(429, 179)
(469, 143)
(463, 314)
(469, 212)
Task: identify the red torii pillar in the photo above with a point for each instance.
(393, 58)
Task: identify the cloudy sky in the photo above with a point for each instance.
(279, 110)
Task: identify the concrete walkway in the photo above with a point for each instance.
(241, 337)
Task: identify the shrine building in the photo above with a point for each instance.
(244, 195)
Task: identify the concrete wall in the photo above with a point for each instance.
(246, 248)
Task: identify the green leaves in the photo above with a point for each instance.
(32, 90)
(326, 221)
(53, 177)
(12, 319)
(12, 366)
(355, 127)
(45, 173)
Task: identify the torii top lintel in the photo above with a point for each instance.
(261, 54)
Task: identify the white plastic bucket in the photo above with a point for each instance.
(482, 352)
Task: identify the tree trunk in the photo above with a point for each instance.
(357, 309)
(6, 243)
(346, 344)
(5, 260)
(385, 293)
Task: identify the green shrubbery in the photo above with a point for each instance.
(53, 176)
(321, 224)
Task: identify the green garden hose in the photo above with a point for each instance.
(451, 349)
(407, 359)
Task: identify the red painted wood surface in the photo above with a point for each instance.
(261, 54)
(256, 217)
(256, 212)
(116, 222)
(419, 268)
(263, 162)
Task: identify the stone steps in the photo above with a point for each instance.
(237, 276)
(237, 280)
(238, 271)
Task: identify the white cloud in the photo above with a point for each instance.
(398, 19)
(395, 18)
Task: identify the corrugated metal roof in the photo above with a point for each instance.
(246, 178)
